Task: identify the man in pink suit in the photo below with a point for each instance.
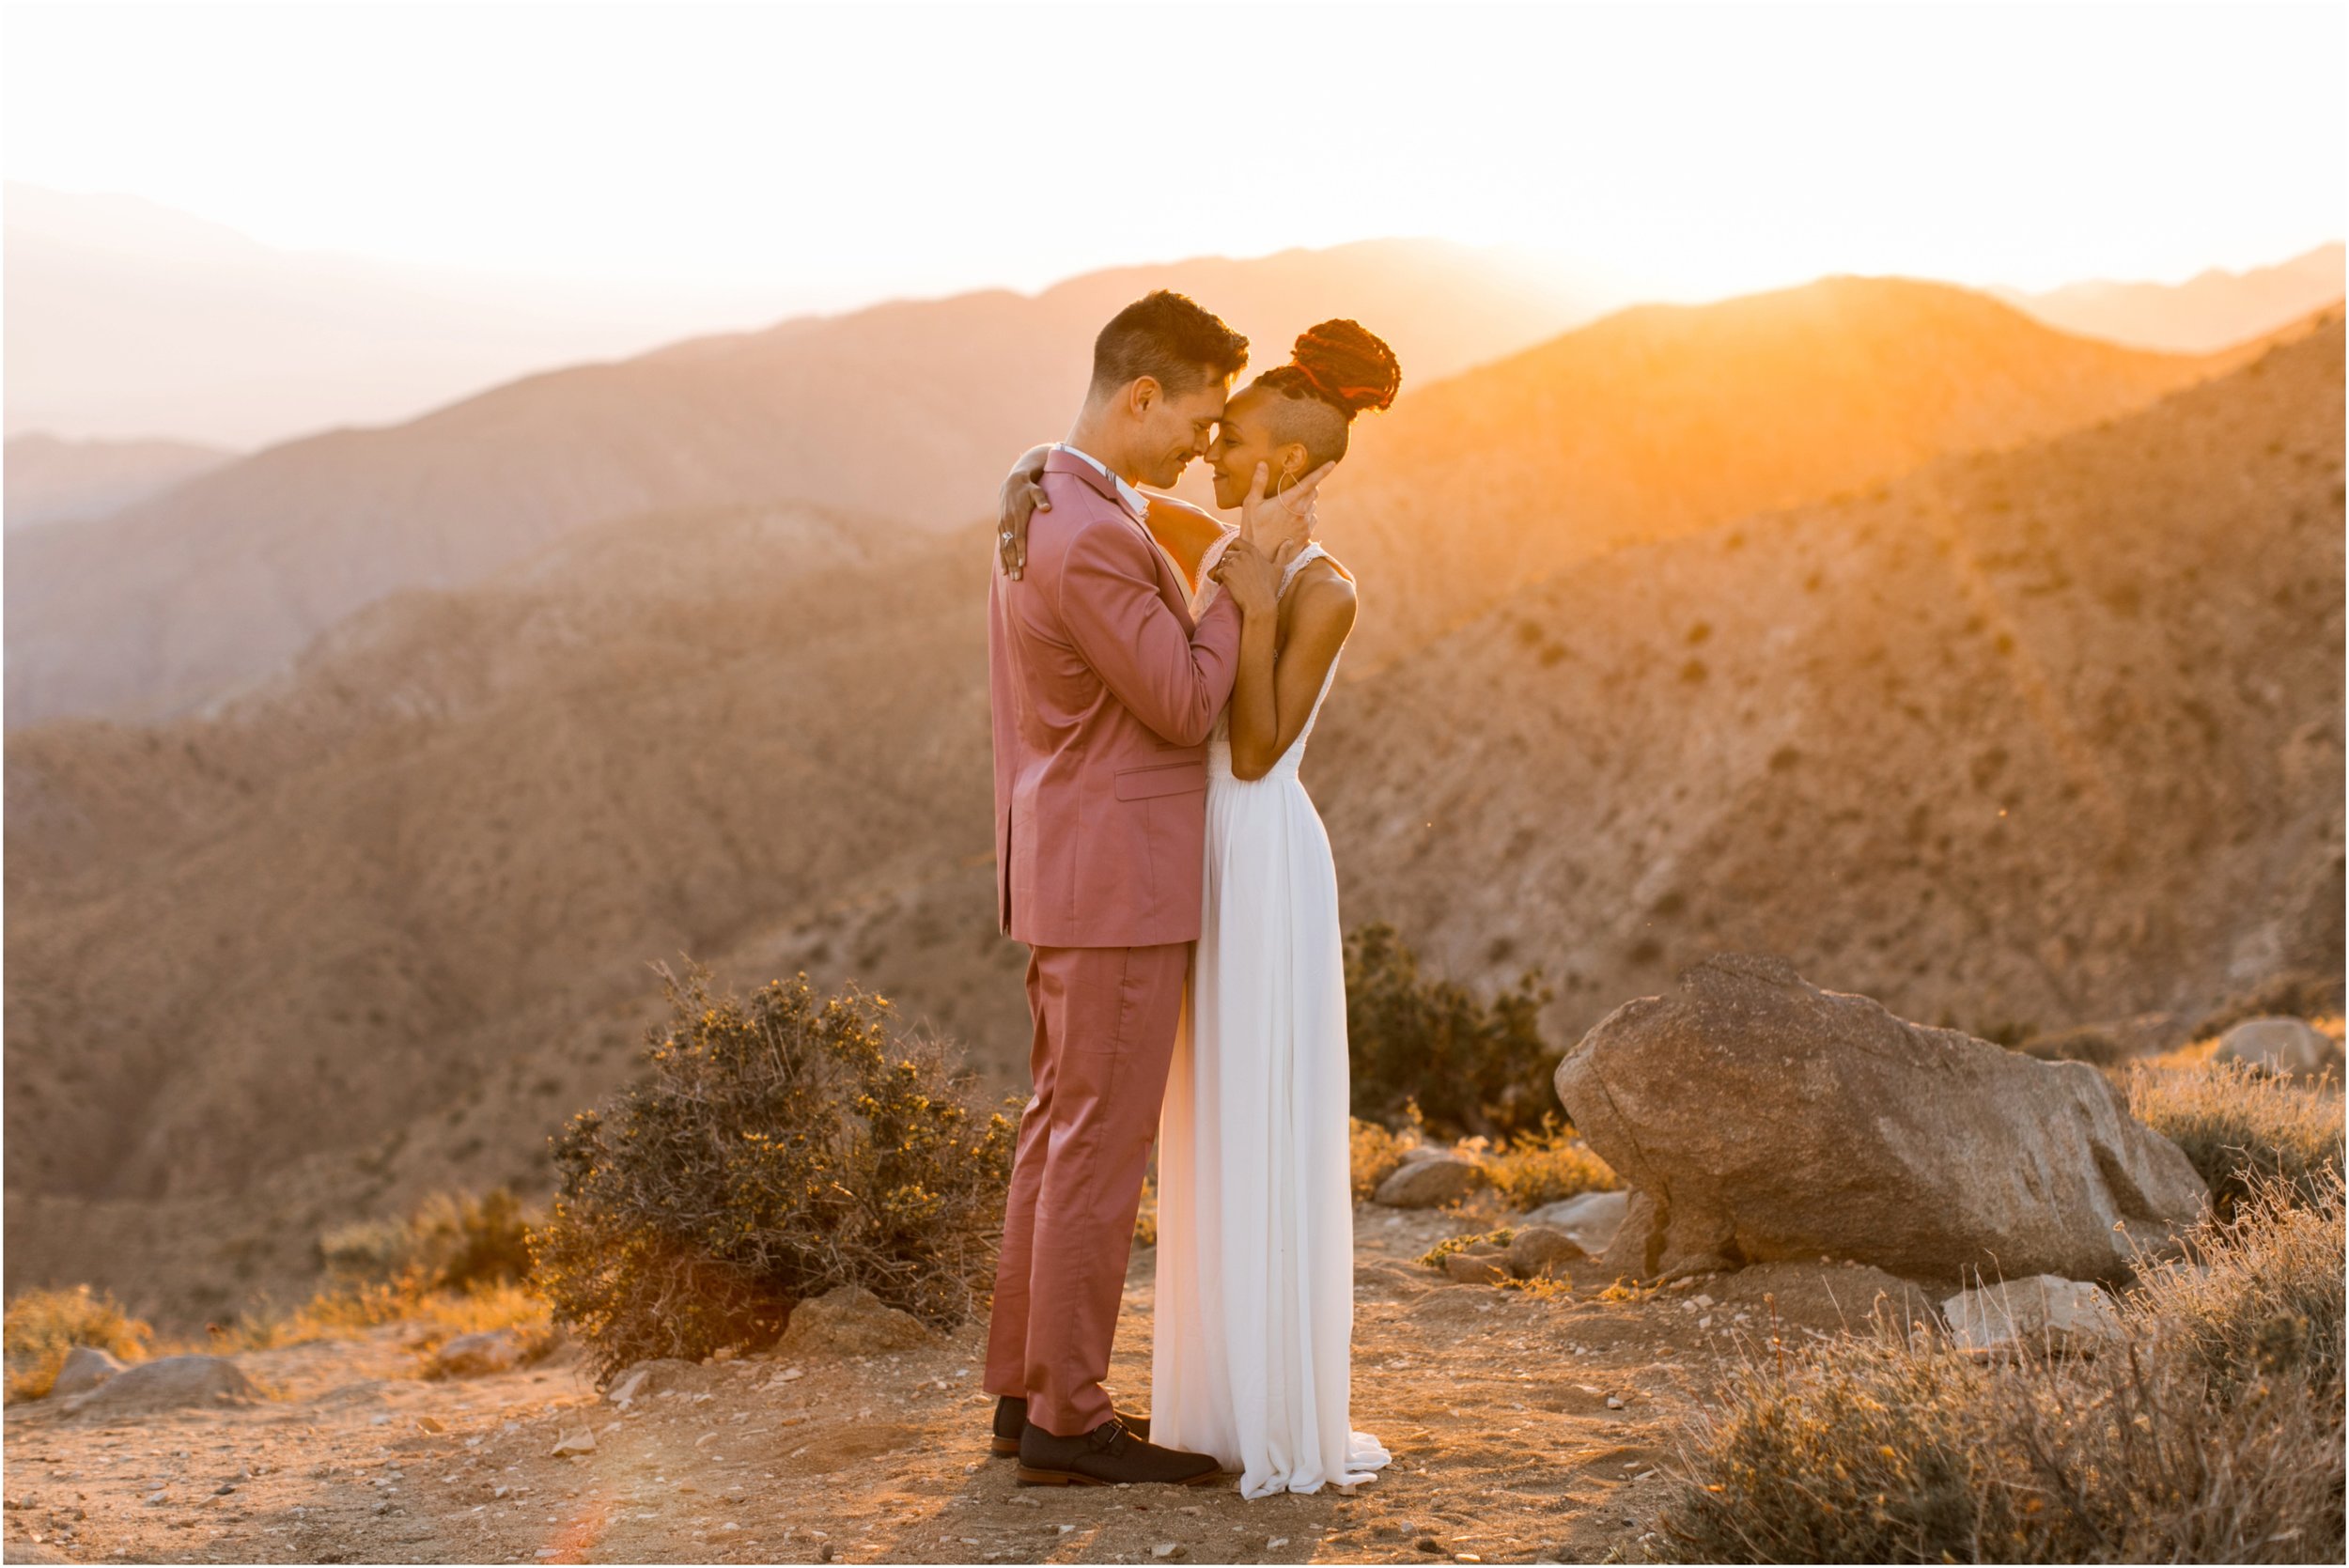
(1104, 692)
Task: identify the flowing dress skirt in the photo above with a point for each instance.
(1255, 1253)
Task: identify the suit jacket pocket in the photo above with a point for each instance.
(1179, 778)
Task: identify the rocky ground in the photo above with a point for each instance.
(1524, 1425)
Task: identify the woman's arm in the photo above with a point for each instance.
(1021, 497)
(1275, 692)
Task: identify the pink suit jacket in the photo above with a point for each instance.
(1104, 692)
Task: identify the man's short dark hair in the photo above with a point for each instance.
(1170, 338)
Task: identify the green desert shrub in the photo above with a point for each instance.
(2212, 1432)
(2241, 1126)
(1471, 1066)
(43, 1325)
(778, 1148)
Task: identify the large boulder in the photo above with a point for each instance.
(1759, 1117)
(171, 1383)
(2292, 1047)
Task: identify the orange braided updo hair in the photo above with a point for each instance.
(1343, 364)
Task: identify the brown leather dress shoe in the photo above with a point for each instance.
(1011, 1420)
(1109, 1455)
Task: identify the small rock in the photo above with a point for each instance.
(581, 1441)
(1540, 1251)
(1167, 1548)
(1469, 1268)
(431, 1424)
(1425, 1184)
(1613, 1404)
(2290, 1048)
(851, 1321)
(646, 1378)
(1592, 1218)
(172, 1383)
(474, 1355)
(86, 1367)
(2045, 1313)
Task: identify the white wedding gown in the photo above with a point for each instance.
(1255, 1254)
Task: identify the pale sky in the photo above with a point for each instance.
(887, 149)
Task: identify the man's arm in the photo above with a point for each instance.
(1176, 683)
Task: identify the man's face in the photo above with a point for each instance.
(1176, 429)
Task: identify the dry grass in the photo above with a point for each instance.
(2214, 1435)
(1434, 1256)
(2241, 1126)
(1544, 1167)
(1376, 1153)
(453, 1241)
(43, 1325)
(1527, 1171)
(353, 1307)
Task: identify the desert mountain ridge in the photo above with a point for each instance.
(908, 410)
(54, 480)
(2213, 310)
(378, 923)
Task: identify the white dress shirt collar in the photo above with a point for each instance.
(1136, 503)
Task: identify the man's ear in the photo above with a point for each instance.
(1144, 395)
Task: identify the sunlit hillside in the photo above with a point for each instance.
(1664, 419)
(375, 926)
(2020, 741)
(909, 412)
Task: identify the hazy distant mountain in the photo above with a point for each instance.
(908, 410)
(2212, 310)
(383, 921)
(128, 319)
(51, 480)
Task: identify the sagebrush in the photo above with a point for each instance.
(2241, 1126)
(2212, 1432)
(450, 1241)
(778, 1148)
(1471, 1066)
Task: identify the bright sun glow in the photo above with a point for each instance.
(889, 149)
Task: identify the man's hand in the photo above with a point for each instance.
(1251, 577)
(1281, 525)
(1021, 497)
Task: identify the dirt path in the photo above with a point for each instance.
(1497, 1404)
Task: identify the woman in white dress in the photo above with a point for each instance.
(1254, 1319)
